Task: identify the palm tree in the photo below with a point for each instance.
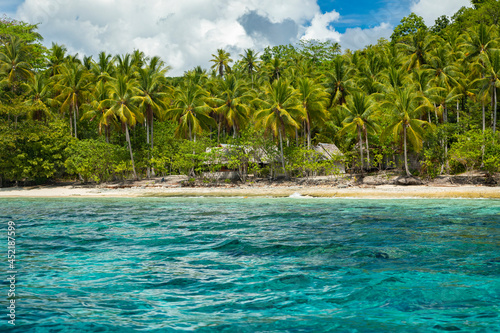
(73, 83)
(279, 110)
(39, 96)
(477, 41)
(491, 81)
(13, 63)
(96, 109)
(339, 82)
(152, 98)
(55, 58)
(274, 68)
(124, 65)
(360, 118)
(406, 108)
(190, 110)
(232, 103)
(417, 49)
(103, 68)
(221, 62)
(250, 62)
(123, 92)
(313, 100)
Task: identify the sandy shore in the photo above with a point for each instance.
(375, 192)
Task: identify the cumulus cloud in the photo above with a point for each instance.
(183, 33)
(321, 28)
(430, 10)
(358, 38)
(186, 33)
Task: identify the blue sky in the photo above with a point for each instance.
(365, 13)
(186, 33)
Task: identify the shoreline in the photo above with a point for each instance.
(270, 191)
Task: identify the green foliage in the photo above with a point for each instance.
(96, 160)
(28, 34)
(408, 26)
(467, 152)
(32, 152)
(440, 24)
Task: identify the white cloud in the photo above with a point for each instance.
(357, 38)
(321, 29)
(430, 10)
(183, 33)
(186, 33)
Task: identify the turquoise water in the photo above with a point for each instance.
(254, 265)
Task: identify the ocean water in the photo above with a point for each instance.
(253, 265)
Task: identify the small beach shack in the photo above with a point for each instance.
(329, 151)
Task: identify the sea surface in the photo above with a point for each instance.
(252, 265)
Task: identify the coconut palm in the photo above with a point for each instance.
(123, 92)
(14, 67)
(73, 83)
(190, 111)
(55, 58)
(406, 107)
(279, 110)
(339, 82)
(152, 98)
(361, 118)
(231, 101)
(221, 62)
(313, 100)
(39, 93)
(274, 68)
(103, 68)
(477, 41)
(417, 49)
(95, 109)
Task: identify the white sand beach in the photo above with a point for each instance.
(272, 190)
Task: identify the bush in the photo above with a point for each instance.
(96, 160)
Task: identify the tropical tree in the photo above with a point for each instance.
(279, 110)
(39, 93)
(232, 101)
(55, 59)
(221, 62)
(103, 68)
(122, 102)
(406, 107)
(95, 109)
(152, 98)
(73, 83)
(190, 111)
(313, 100)
(361, 118)
(339, 82)
(14, 67)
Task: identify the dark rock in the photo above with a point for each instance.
(447, 328)
(407, 181)
(381, 255)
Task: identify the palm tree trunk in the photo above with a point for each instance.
(152, 143)
(406, 154)
(484, 116)
(495, 111)
(458, 112)
(148, 170)
(127, 136)
(367, 151)
(360, 142)
(281, 150)
(308, 133)
(74, 118)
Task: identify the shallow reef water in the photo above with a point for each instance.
(253, 265)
